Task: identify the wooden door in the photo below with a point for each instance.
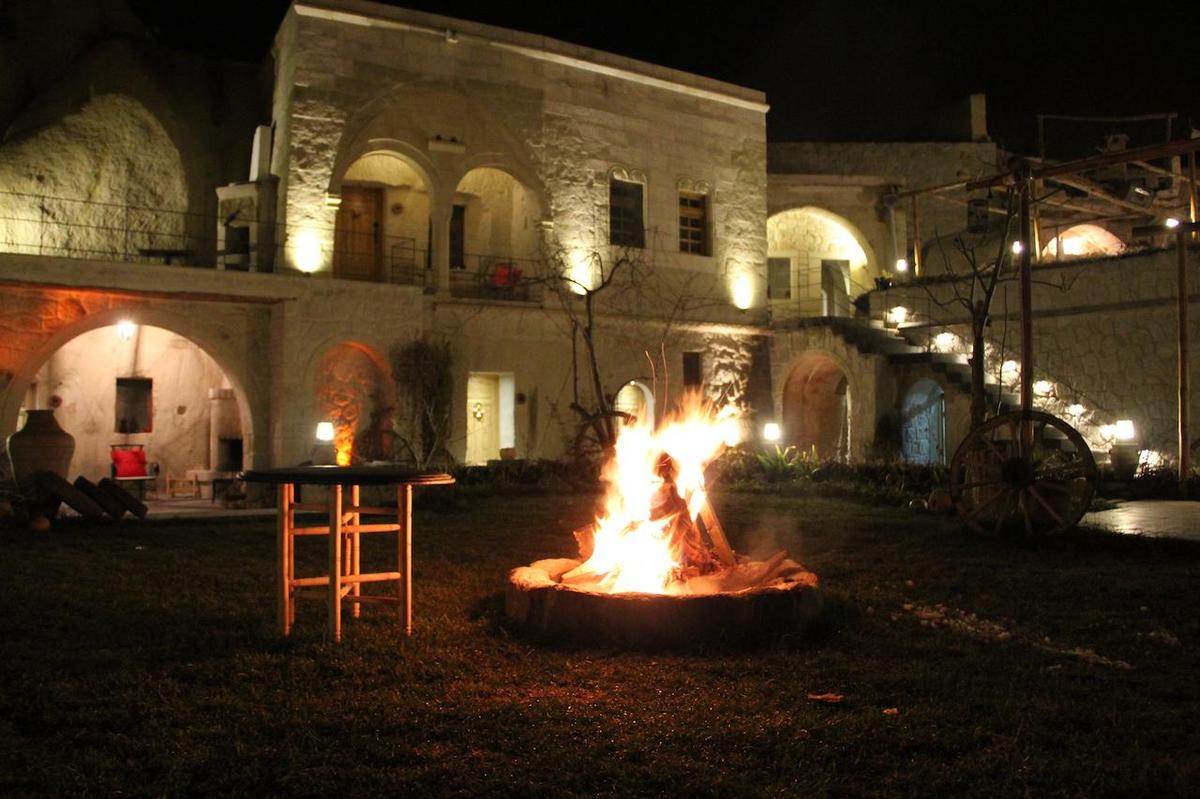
(358, 245)
(483, 420)
(834, 276)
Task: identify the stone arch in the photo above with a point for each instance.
(816, 406)
(252, 400)
(829, 217)
(382, 222)
(923, 423)
(816, 242)
(352, 387)
(416, 159)
(1084, 241)
(498, 199)
(636, 398)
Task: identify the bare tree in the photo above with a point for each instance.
(596, 288)
(422, 369)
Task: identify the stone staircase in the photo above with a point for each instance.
(872, 337)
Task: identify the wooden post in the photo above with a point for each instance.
(283, 546)
(1185, 442)
(404, 553)
(1035, 242)
(355, 543)
(916, 215)
(1192, 189)
(1025, 187)
(335, 563)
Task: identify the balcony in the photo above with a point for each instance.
(496, 277)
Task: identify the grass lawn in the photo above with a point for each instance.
(142, 659)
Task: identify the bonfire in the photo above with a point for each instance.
(657, 532)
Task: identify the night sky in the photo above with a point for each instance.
(835, 70)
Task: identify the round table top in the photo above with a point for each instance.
(387, 474)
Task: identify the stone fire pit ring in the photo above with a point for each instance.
(535, 599)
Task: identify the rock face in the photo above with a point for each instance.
(535, 600)
(101, 183)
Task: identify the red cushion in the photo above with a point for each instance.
(129, 462)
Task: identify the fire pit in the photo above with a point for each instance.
(655, 568)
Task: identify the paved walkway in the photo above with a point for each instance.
(199, 509)
(1155, 518)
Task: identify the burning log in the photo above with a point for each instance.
(655, 566)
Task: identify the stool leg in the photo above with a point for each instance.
(355, 562)
(335, 563)
(283, 555)
(404, 552)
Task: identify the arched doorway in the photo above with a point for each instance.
(493, 234)
(1083, 241)
(354, 392)
(636, 399)
(923, 423)
(382, 227)
(817, 263)
(816, 407)
(131, 384)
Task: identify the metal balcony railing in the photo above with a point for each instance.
(496, 277)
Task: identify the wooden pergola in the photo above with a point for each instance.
(1028, 178)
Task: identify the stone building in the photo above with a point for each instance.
(419, 178)
(210, 259)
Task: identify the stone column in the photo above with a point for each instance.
(439, 246)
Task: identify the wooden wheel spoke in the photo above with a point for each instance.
(992, 447)
(1063, 470)
(980, 484)
(1058, 519)
(986, 503)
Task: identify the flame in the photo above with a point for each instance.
(633, 548)
(343, 444)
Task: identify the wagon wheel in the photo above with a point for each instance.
(997, 484)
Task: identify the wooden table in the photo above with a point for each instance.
(344, 581)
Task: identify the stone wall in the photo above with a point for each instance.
(560, 119)
(905, 165)
(104, 182)
(534, 345)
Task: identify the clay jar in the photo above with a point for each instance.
(40, 446)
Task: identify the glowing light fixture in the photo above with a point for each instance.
(898, 315)
(1172, 222)
(743, 292)
(1075, 409)
(1124, 430)
(901, 265)
(771, 431)
(325, 431)
(1042, 387)
(945, 341)
(580, 274)
(1017, 248)
(126, 329)
(308, 251)
(1010, 370)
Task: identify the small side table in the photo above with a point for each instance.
(344, 581)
